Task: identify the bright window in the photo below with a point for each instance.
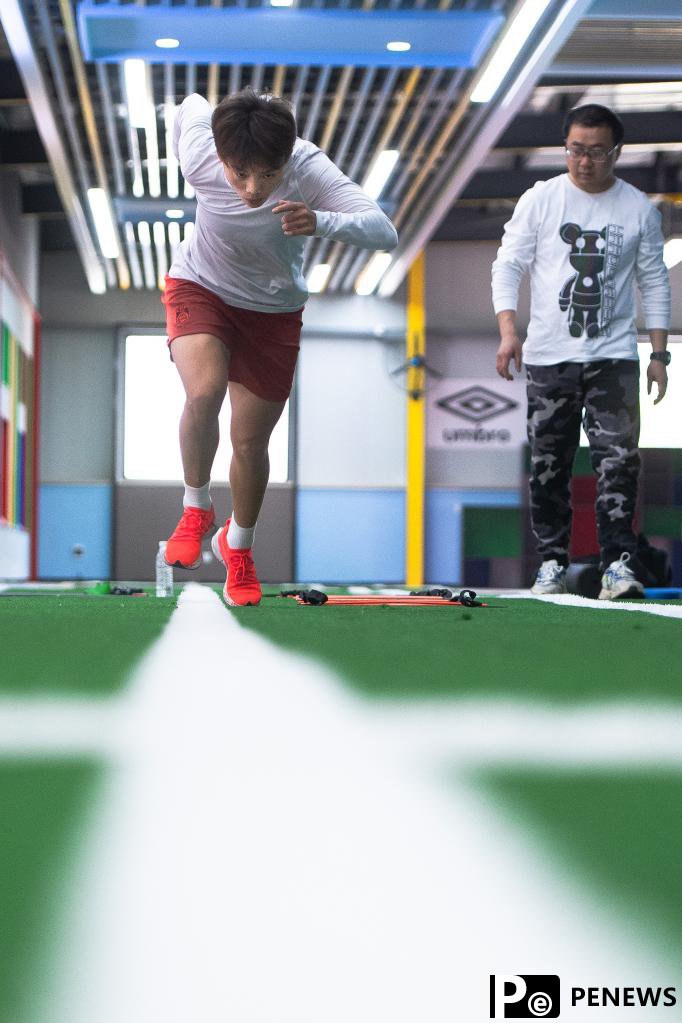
(661, 425)
(153, 402)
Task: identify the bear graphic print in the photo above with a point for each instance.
(588, 296)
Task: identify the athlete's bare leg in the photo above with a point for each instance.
(203, 362)
(253, 420)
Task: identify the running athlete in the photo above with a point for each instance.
(234, 298)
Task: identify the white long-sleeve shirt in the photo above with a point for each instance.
(241, 253)
(583, 251)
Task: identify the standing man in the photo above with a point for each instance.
(234, 298)
(584, 237)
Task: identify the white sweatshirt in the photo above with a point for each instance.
(584, 252)
(240, 253)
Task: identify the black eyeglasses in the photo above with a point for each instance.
(595, 153)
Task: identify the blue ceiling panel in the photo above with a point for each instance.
(268, 35)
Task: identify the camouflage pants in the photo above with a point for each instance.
(605, 394)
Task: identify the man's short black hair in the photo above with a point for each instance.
(592, 115)
(250, 130)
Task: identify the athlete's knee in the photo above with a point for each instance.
(205, 401)
(250, 446)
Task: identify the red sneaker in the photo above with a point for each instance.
(183, 548)
(241, 586)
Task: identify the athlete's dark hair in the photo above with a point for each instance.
(251, 130)
(592, 115)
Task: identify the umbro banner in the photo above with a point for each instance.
(476, 413)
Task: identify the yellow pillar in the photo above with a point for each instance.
(416, 424)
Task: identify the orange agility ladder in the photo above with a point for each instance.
(418, 598)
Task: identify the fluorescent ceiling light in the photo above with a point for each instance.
(104, 223)
(175, 214)
(508, 49)
(131, 246)
(172, 166)
(174, 238)
(672, 252)
(137, 92)
(281, 3)
(159, 235)
(398, 47)
(153, 163)
(380, 172)
(189, 230)
(373, 272)
(144, 234)
(167, 44)
(318, 277)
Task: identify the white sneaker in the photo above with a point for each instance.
(618, 581)
(551, 578)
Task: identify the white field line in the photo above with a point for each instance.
(34, 727)
(573, 600)
(470, 732)
(480, 733)
(266, 852)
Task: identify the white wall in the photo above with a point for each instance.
(351, 415)
(77, 405)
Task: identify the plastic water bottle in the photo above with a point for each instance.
(164, 573)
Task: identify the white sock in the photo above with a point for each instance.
(239, 538)
(197, 497)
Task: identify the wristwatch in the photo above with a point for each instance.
(663, 357)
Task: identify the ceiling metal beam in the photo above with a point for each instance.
(626, 10)
(267, 35)
(41, 200)
(28, 64)
(612, 70)
(539, 131)
(11, 88)
(510, 184)
(21, 149)
(468, 223)
(55, 236)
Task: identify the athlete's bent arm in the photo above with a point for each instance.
(343, 212)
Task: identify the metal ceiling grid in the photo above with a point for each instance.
(353, 113)
(636, 45)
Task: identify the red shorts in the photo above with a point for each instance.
(263, 346)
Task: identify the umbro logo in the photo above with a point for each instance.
(476, 404)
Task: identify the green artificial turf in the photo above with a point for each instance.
(42, 808)
(618, 832)
(518, 649)
(73, 643)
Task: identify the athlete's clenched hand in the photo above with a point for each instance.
(296, 217)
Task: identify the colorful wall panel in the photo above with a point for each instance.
(18, 406)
